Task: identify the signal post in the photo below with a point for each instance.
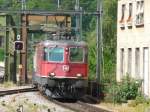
(19, 46)
(23, 53)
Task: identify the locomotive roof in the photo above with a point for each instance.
(63, 43)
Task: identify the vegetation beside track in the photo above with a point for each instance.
(125, 96)
(143, 107)
(7, 85)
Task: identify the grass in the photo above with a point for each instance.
(7, 85)
(143, 107)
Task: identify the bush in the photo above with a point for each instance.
(140, 99)
(128, 89)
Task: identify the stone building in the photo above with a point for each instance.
(133, 41)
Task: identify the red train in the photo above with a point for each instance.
(61, 67)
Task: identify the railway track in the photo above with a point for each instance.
(76, 106)
(80, 107)
(15, 91)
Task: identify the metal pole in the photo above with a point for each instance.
(99, 50)
(81, 24)
(15, 62)
(23, 4)
(58, 4)
(46, 22)
(77, 8)
(7, 50)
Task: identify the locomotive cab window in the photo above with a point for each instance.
(54, 54)
(76, 54)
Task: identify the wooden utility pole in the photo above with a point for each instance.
(23, 58)
(23, 53)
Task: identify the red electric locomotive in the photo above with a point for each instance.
(61, 67)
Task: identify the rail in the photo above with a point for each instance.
(15, 91)
(80, 106)
(76, 106)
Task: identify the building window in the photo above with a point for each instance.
(122, 62)
(122, 16)
(129, 20)
(137, 63)
(123, 13)
(129, 61)
(140, 13)
(146, 70)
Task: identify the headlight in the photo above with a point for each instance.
(52, 74)
(79, 75)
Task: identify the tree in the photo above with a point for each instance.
(109, 40)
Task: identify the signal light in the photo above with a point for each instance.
(18, 45)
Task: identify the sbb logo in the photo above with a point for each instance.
(18, 45)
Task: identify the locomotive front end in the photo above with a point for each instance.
(64, 67)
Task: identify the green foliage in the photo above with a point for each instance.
(128, 89)
(109, 35)
(1, 54)
(92, 55)
(109, 20)
(41, 4)
(140, 99)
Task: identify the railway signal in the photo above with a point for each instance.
(18, 45)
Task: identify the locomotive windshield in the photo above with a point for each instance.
(76, 54)
(55, 54)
